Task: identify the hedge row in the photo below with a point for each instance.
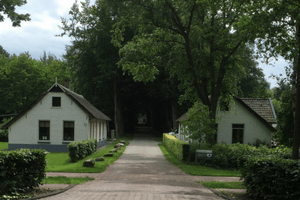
(228, 156)
(271, 177)
(21, 170)
(80, 149)
(179, 148)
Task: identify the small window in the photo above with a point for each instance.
(237, 133)
(44, 130)
(69, 131)
(56, 102)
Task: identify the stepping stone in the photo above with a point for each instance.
(113, 150)
(123, 141)
(89, 163)
(109, 155)
(100, 159)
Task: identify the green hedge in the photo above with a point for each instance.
(3, 135)
(80, 149)
(21, 170)
(228, 156)
(179, 148)
(271, 177)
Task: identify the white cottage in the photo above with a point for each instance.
(56, 118)
(246, 120)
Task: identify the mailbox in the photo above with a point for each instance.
(202, 155)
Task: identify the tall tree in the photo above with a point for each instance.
(281, 36)
(3, 52)
(200, 41)
(8, 7)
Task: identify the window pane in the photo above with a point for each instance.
(238, 133)
(44, 130)
(56, 101)
(69, 131)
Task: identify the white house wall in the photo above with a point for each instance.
(26, 129)
(253, 127)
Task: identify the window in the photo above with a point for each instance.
(56, 102)
(69, 131)
(237, 133)
(44, 130)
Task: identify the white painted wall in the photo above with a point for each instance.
(238, 114)
(26, 129)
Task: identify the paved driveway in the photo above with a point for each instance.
(141, 173)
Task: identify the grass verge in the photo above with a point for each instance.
(65, 180)
(197, 170)
(60, 162)
(3, 145)
(223, 185)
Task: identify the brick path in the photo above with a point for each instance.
(141, 173)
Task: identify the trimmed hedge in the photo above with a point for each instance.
(179, 148)
(3, 135)
(229, 156)
(80, 149)
(271, 177)
(21, 170)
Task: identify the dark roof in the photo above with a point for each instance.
(77, 98)
(261, 108)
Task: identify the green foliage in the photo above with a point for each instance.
(61, 162)
(285, 127)
(7, 8)
(21, 170)
(3, 135)
(232, 156)
(179, 148)
(199, 126)
(23, 79)
(80, 149)
(271, 177)
(196, 169)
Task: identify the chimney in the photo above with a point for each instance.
(67, 83)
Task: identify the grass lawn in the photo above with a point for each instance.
(223, 185)
(197, 169)
(65, 180)
(3, 145)
(61, 162)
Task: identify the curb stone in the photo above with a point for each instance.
(52, 194)
(221, 195)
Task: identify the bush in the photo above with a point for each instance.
(271, 177)
(227, 156)
(21, 170)
(179, 148)
(80, 149)
(3, 135)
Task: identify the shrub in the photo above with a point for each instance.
(3, 135)
(80, 149)
(271, 177)
(21, 170)
(179, 148)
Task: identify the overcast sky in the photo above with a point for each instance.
(38, 35)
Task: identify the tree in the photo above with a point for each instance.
(198, 126)
(281, 36)
(199, 40)
(252, 84)
(3, 51)
(7, 7)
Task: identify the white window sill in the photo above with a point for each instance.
(56, 107)
(67, 141)
(44, 141)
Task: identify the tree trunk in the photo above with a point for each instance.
(296, 136)
(116, 109)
